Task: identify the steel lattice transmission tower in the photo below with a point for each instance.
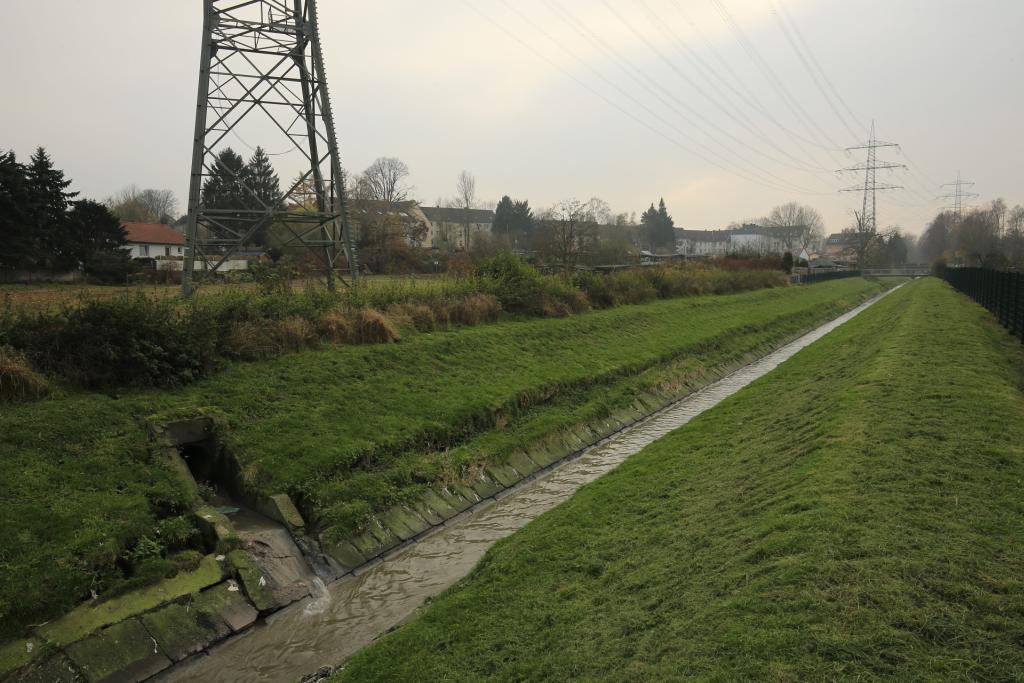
(262, 65)
(958, 195)
(868, 216)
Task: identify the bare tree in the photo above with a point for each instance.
(133, 205)
(386, 180)
(866, 244)
(569, 230)
(798, 225)
(465, 189)
(599, 211)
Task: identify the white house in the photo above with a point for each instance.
(150, 240)
(450, 225)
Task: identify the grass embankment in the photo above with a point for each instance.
(855, 514)
(345, 430)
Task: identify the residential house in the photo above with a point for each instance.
(406, 216)
(152, 240)
(841, 247)
(451, 226)
(702, 242)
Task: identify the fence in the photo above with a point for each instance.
(1000, 292)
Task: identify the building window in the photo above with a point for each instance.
(167, 251)
(144, 250)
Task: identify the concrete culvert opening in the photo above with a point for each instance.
(215, 472)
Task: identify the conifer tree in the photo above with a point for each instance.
(15, 233)
(47, 208)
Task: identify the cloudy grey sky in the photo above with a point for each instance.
(704, 102)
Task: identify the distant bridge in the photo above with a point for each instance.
(917, 270)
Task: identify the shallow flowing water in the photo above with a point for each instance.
(346, 616)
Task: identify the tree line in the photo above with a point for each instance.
(991, 236)
(43, 226)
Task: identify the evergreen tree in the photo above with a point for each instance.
(522, 218)
(503, 216)
(93, 229)
(659, 228)
(48, 210)
(262, 180)
(223, 188)
(16, 235)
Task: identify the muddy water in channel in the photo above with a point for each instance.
(348, 615)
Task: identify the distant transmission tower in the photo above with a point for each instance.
(958, 195)
(262, 64)
(868, 216)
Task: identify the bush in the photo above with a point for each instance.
(474, 310)
(519, 287)
(133, 341)
(418, 316)
(270, 338)
(372, 327)
(18, 381)
(939, 267)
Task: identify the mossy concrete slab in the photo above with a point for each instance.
(486, 487)
(429, 515)
(182, 629)
(545, 454)
(215, 526)
(280, 508)
(469, 496)
(253, 581)
(522, 463)
(404, 523)
(17, 654)
(93, 616)
(505, 475)
(368, 546)
(384, 536)
(56, 668)
(122, 653)
(442, 506)
(346, 554)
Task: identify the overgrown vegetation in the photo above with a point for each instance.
(854, 515)
(140, 341)
(345, 429)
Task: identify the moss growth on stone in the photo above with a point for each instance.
(93, 616)
(17, 654)
(252, 580)
(125, 651)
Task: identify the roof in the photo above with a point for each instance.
(702, 235)
(152, 233)
(443, 214)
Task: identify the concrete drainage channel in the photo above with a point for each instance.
(269, 604)
(324, 631)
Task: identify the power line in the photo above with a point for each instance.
(607, 100)
(958, 195)
(769, 73)
(811, 72)
(868, 216)
(730, 113)
(817, 63)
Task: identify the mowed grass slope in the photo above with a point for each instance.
(856, 514)
(346, 430)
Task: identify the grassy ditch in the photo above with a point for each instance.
(345, 430)
(856, 514)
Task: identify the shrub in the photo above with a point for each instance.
(257, 340)
(132, 341)
(18, 381)
(334, 328)
(418, 316)
(474, 310)
(517, 286)
(372, 327)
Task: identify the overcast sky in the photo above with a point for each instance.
(627, 100)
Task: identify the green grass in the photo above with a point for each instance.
(854, 515)
(346, 430)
